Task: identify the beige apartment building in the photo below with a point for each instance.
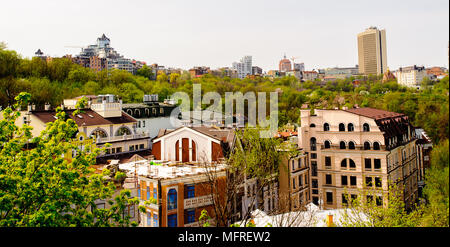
(352, 150)
(372, 58)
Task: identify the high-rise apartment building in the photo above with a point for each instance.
(372, 57)
(244, 67)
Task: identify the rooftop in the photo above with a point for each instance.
(374, 113)
(88, 117)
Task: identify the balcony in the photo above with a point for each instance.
(110, 139)
(199, 201)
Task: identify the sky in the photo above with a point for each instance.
(184, 34)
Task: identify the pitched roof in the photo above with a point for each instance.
(374, 113)
(87, 118)
(224, 135)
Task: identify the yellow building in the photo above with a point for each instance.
(372, 58)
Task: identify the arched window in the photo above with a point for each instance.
(341, 127)
(327, 144)
(326, 127)
(342, 145)
(344, 163)
(350, 127)
(312, 125)
(352, 163)
(366, 146)
(376, 146)
(172, 199)
(312, 143)
(351, 145)
(366, 127)
(99, 133)
(123, 131)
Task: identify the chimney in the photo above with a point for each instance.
(330, 220)
(47, 106)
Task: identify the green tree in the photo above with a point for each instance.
(437, 187)
(40, 187)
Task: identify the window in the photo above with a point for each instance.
(293, 183)
(155, 193)
(366, 146)
(377, 163)
(329, 197)
(351, 145)
(155, 220)
(344, 163)
(368, 164)
(148, 193)
(299, 163)
(172, 202)
(328, 179)
(328, 161)
(141, 146)
(342, 145)
(352, 163)
(293, 164)
(326, 127)
(352, 180)
(119, 150)
(344, 180)
(131, 148)
(350, 127)
(327, 144)
(149, 219)
(139, 190)
(172, 220)
(143, 123)
(378, 182)
(313, 168)
(369, 181)
(341, 127)
(313, 156)
(379, 200)
(312, 125)
(376, 146)
(190, 216)
(312, 142)
(369, 199)
(366, 127)
(344, 200)
(300, 182)
(314, 183)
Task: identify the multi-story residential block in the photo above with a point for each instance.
(102, 120)
(299, 67)
(151, 115)
(372, 51)
(411, 76)
(175, 195)
(352, 150)
(342, 73)
(285, 65)
(256, 70)
(244, 67)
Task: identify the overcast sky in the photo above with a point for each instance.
(187, 33)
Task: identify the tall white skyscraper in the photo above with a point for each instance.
(244, 67)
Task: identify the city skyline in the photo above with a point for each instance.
(185, 35)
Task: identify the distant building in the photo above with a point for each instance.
(411, 76)
(244, 67)
(102, 56)
(309, 75)
(372, 51)
(198, 71)
(285, 65)
(437, 71)
(299, 67)
(256, 70)
(342, 73)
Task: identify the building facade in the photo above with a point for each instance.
(372, 58)
(244, 67)
(411, 76)
(285, 65)
(359, 149)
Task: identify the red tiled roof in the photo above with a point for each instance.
(374, 113)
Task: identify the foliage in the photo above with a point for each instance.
(41, 186)
(437, 187)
